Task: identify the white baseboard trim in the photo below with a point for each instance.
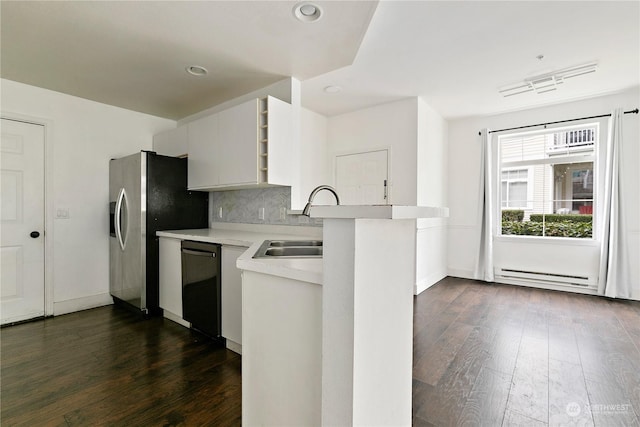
(79, 304)
(234, 346)
(463, 274)
(426, 283)
(175, 318)
(23, 317)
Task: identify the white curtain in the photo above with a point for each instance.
(484, 261)
(614, 278)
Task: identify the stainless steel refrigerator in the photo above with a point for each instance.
(147, 193)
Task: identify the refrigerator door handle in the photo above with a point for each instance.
(122, 198)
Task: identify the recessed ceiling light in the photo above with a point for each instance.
(196, 70)
(307, 12)
(332, 89)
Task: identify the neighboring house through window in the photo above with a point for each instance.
(515, 188)
(549, 176)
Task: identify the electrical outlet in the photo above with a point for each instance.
(220, 212)
(283, 214)
(261, 214)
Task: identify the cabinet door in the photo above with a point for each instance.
(172, 142)
(203, 145)
(170, 276)
(231, 294)
(238, 137)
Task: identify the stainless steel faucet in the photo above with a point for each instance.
(315, 191)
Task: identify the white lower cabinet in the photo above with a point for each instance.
(282, 351)
(232, 297)
(170, 279)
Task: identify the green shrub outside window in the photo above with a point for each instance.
(577, 226)
(561, 218)
(513, 215)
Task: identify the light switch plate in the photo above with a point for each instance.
(62, 213)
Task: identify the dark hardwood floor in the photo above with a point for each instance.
(108, 367)
(484, 355)
(491, 355)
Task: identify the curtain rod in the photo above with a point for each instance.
(560, 121)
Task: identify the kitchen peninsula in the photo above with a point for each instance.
(235, 239)
(334, 348)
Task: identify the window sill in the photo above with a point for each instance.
(564, 241)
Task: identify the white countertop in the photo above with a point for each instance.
(378, 212)
(306, 270)
(302, 269)
(221, 237)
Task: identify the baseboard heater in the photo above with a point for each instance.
(564, 279)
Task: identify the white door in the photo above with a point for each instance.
(361, 178)
(22, 221)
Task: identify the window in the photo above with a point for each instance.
(514, 187)
(547, 178)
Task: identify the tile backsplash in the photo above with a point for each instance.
(247, 206)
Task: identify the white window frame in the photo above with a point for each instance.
(560, 159)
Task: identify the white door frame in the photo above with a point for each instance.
(363, 150)
(48, 201)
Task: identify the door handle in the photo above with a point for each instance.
(118, 213)
(199, 253)
(34, 234)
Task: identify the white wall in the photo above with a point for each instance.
(314, 156)
(431, 238)
(417, 137)
(464, 151)
(392, 125)
(81, 137)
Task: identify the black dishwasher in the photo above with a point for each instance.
(201, 286)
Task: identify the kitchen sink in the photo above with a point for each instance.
(290, 249)
(285, 243)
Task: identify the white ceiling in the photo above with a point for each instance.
(456, 54)
(133, 54)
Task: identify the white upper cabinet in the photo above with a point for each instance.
(203, 145)
(238, 150)
(243, 146)
(172, 142)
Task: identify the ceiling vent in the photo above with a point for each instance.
(547, 82)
